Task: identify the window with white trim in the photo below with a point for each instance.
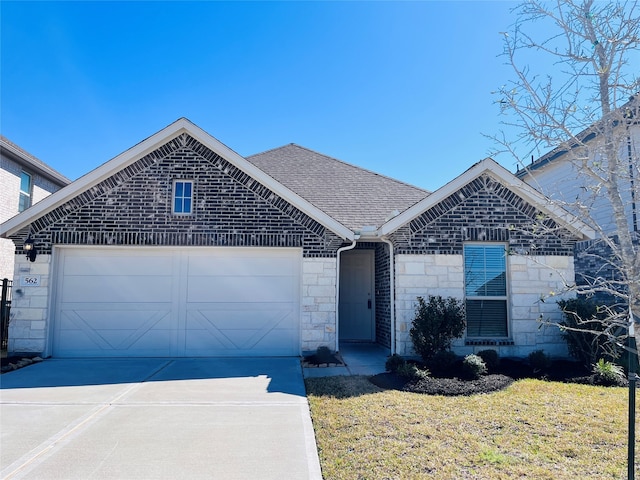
(485, 276)
(26, 188)
(182, 197)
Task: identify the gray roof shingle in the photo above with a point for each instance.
(353, 196)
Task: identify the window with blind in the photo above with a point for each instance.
(485, 274)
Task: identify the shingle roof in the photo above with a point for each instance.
(352, 195)
(624, 116)
(25, 158)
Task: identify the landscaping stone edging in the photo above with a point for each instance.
(23, 362)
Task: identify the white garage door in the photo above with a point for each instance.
(166, 302)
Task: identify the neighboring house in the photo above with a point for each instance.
(181, 247)
(560, 176)
(24, 180)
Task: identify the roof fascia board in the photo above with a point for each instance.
(506, 178)
(150, 144)
(627, 113)
(38, 166)
(92, 178)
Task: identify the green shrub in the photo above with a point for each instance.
(394, 362)
(490, 358)
(583, 330)
(324, 355)
(444, 360)
(437, 322)
(539, 361)
(410, 370)
(608, 373)
(473, 366)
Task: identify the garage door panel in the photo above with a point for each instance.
(274, 340)
(114, 263)
(241, 329)
(268, 345)
(116, 317)
(116, 288)
(226, 317)
(242, 265)
(153, 301)
(241, 289)
(123, 331)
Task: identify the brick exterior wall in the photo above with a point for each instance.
(591, 262)
(133, 207)
(382, 295)
(484, 211)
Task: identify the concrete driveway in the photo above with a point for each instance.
(157, 418)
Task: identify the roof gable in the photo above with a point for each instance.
(354, 196)
(489, 168)
(173, 133)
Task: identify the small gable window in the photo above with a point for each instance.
(183, 197)
(485, 276)
(25, 191)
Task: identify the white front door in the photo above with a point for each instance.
(162, 302)
(356, 305)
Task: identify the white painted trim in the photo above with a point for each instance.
(506, 178)
(145, 147)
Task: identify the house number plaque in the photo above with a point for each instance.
(30, 281)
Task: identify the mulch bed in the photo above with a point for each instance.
(442, 386)
(450, 384)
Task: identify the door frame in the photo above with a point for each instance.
(370, 253)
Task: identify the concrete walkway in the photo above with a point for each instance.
(359, 359)
(156, 419)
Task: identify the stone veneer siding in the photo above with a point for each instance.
(318, 325)
(529, 279)
(133, 207)
(30, 307)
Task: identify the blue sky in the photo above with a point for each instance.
(400, 88)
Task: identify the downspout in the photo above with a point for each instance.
(392, 292)
(340, 250)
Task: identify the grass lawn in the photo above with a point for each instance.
(533, 429)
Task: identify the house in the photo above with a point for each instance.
(25, 180)
(560, 175)
(181, 247)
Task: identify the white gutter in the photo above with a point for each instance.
(392, 293)
(340, 250)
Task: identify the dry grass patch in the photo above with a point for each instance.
(533, 429)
